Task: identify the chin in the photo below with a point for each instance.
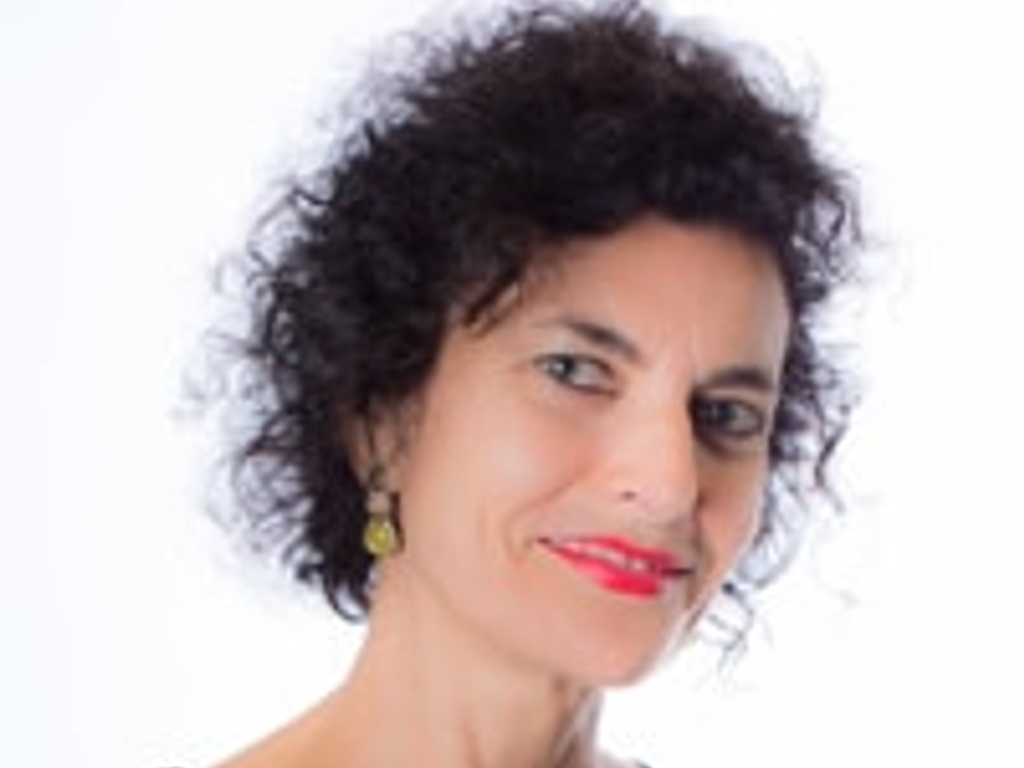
(620, 674)
(620, 664)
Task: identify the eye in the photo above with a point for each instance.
(579, 372)
(726, 422)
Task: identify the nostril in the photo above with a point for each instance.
(657, 506)
(654, 472)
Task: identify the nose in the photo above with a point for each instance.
(655, 470)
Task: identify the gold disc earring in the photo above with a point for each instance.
(380, 534)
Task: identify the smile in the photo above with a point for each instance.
(618, 565)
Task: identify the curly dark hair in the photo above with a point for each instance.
(554, 121)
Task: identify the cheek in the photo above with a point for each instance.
(490, 458)
(535, 457)
(528, 464)
(732, 517)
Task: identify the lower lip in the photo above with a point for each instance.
(619, 580)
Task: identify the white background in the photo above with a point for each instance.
(135, 139)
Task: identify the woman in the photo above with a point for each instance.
(535, 379)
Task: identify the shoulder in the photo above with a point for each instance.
(607, 761)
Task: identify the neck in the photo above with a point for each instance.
(427, 690)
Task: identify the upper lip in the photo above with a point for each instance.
(621, 552)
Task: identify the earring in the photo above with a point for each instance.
(380, 534)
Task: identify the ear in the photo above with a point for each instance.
(381, 439)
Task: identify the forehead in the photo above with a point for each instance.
(668, 283)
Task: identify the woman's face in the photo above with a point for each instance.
(578, 478)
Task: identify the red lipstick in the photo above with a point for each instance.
(618, 565)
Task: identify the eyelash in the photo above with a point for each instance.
(727, 422)
(722, 423)
(580, 372)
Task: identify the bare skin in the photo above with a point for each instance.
(394, 709)
(623, 406)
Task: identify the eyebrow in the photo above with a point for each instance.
(603, 336)
(751, 377)
(743, 377)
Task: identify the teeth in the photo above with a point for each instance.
(612, 557)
